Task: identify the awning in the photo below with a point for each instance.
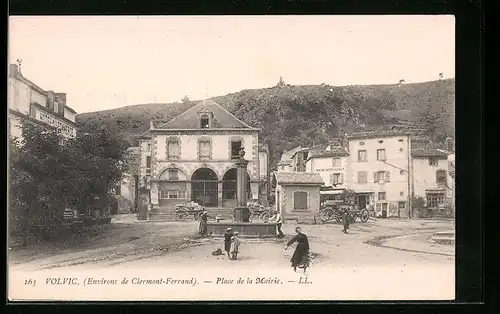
(332, 192)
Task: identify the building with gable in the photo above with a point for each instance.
(192, 158)
(28, 101)
(330, 162)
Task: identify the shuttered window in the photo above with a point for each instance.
(362, 177)
(300, 201)
(173, 150)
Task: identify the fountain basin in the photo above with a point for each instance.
(244, 229)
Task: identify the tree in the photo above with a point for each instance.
(48, 174)
(185, 100)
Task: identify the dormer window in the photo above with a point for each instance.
(204, 121)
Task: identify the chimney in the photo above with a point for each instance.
(13, 70)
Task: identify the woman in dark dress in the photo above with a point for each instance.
(300, 257)
(203, 223)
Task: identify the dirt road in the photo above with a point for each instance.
(345, 266)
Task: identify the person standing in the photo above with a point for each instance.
(203, 223)
(235, 245)
(345, 221)
(227, 241)
(300, 257)
(279, 221)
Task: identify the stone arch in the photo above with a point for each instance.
(205, 165)
(205, 186)
(229, 184)
(173, 166)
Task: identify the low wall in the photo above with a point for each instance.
(245, 229)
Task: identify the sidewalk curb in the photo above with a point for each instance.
(379, 242)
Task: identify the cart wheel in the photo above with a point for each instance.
(324, 215)
(264, 216)
(364, 215)
(338, 219)
(180, 215)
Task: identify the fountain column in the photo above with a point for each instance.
(241, 212)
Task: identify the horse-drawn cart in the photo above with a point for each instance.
(183, 211)
(330, 212)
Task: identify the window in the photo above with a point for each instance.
(435, 200)
(381, 196)
(433, 162)
(173, 174)
(380, 141)
(172, 194)
(300, 201)
(362, 156)
(235, 149)
(336, 162)
(204, 148)
(362, 177)
(401, 193)
(441, 177)
(401, 205)
(148, 162)
(380, 154)
(381, 176)
(173, 149)
(336, 178)
(149, 148)
(204, 122)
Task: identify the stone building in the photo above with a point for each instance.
(298, 196)
(330, 162)
(192, 158)
(28, 101)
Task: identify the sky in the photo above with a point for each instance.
(115, 61)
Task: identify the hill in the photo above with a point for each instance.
(308, 114)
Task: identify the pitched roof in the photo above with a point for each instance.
(385, 133)
(428, 152)
(420, 147)
(333, 152)
(286, 155)
(222, 119)
(299, 178)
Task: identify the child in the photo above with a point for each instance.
(235, 244)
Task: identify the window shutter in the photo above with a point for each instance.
(375, 177)
(388, 176)
(331, 178)
(341, 178)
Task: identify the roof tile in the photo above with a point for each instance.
(299, 178)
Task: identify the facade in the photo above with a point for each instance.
(330, 162)
(379, 171)
(298, 195)
(28, 101)
(431, 179)
(192, 158)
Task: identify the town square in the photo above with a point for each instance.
(343, 187)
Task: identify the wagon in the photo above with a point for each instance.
(184, 211)
(334, 211)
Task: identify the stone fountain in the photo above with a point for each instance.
(241, 213)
